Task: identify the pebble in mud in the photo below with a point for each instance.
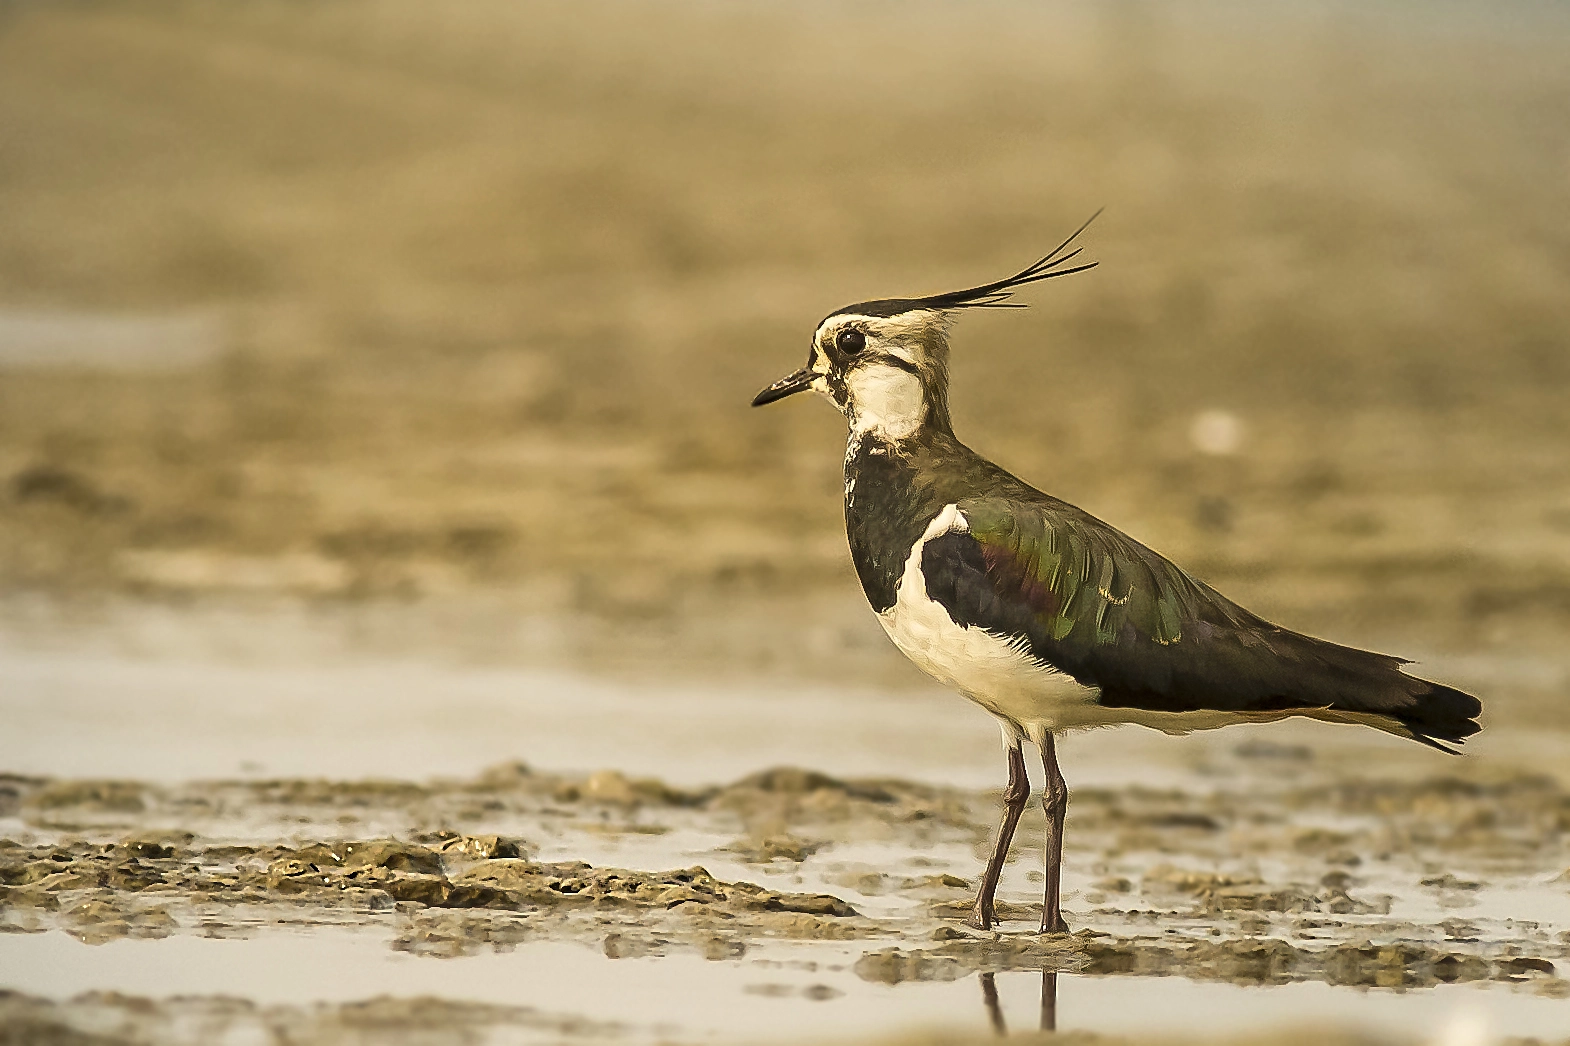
(891, 966)
(774, 848)
(99, 921)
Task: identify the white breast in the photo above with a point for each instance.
(1004, 679)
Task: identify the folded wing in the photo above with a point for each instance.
(1097, 605)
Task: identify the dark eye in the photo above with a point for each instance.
(850, 340)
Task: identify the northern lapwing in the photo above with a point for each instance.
(1039, 612)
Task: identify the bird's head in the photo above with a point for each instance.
(884, 364)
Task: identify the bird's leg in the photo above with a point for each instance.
(1049, 1000)
(1015, 796)
(1055, 799)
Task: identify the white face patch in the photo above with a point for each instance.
(886, 378)
(885, 400)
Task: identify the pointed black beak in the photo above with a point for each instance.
(789, 385)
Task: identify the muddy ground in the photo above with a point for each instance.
(355, 326)
(1276, 873)
(113, 858)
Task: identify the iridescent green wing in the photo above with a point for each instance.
(1084, 598)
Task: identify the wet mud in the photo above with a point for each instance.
(1270, 876)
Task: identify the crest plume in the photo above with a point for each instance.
(989, 295)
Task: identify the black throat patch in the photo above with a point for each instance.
(887, 508)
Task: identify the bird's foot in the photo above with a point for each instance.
(980, 917)
(1054, 923)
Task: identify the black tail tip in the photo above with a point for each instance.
(1443, 714)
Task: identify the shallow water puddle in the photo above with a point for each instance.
(776, 992)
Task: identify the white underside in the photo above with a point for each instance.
(1030, 699)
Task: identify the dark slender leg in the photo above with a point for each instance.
(1055, 799)
(1015, 796)
(989, 995)
(1049, 1000)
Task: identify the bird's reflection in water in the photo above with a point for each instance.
(1049, 1001)
(989, 996)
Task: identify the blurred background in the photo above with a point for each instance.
(436, 325)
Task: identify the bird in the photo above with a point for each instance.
(1044, 615)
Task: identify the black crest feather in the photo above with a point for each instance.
(989, 295)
